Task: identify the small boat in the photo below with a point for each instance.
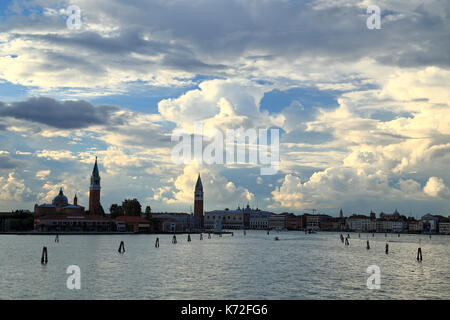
(276, 238)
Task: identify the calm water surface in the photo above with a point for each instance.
(254, 266)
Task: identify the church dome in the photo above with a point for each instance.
(60, 200)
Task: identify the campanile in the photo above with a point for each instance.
(198, 201)
(94, 190)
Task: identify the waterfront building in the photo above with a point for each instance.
(177, 221)
(312, 221)
(219, 226)
(415, 226)
(360, 223)
(372, 225)
(387, 225)
(444, 227)
(133, 224)
(430, 223)
(294, 222)
(69, 223)
(277, 221)
(393, 216)
(379, 225)
(231, 219)
(399, 226)
(332, 224)
(259, 220)
(167, 224)
(391, 222)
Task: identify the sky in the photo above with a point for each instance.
(363, 113)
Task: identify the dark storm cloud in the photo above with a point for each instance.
(61, 114)
(118, 51)
(422, 40)
(209, 36)
(191, 64)
(225, 37)
(224, 30)
(57, 61)
(128, 41)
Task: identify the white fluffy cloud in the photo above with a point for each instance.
(436, 188)
(217, 189)
(14, 189)
(396, 138)
(387, 139)
(219, 104)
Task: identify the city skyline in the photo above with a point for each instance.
(362, 113)
(94, 202)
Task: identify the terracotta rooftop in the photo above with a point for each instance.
(132, 219)
(73, 217)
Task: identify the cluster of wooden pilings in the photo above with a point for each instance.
(347, 243)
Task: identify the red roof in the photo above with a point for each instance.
(73, 217)
(132, 219)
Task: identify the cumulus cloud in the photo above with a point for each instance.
(42, 174)
(385, 159)
(219, 104)
(436, 188)
(15, 189)
(55, 154)
(218, 190)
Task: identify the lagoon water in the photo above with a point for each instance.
(254, 266)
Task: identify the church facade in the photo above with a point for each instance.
(61, 206)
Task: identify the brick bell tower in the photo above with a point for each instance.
(198, 201)
(94, 190)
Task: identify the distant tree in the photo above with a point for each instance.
(148, 212)
(21, 224)
(116, 211)
(132, 207)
